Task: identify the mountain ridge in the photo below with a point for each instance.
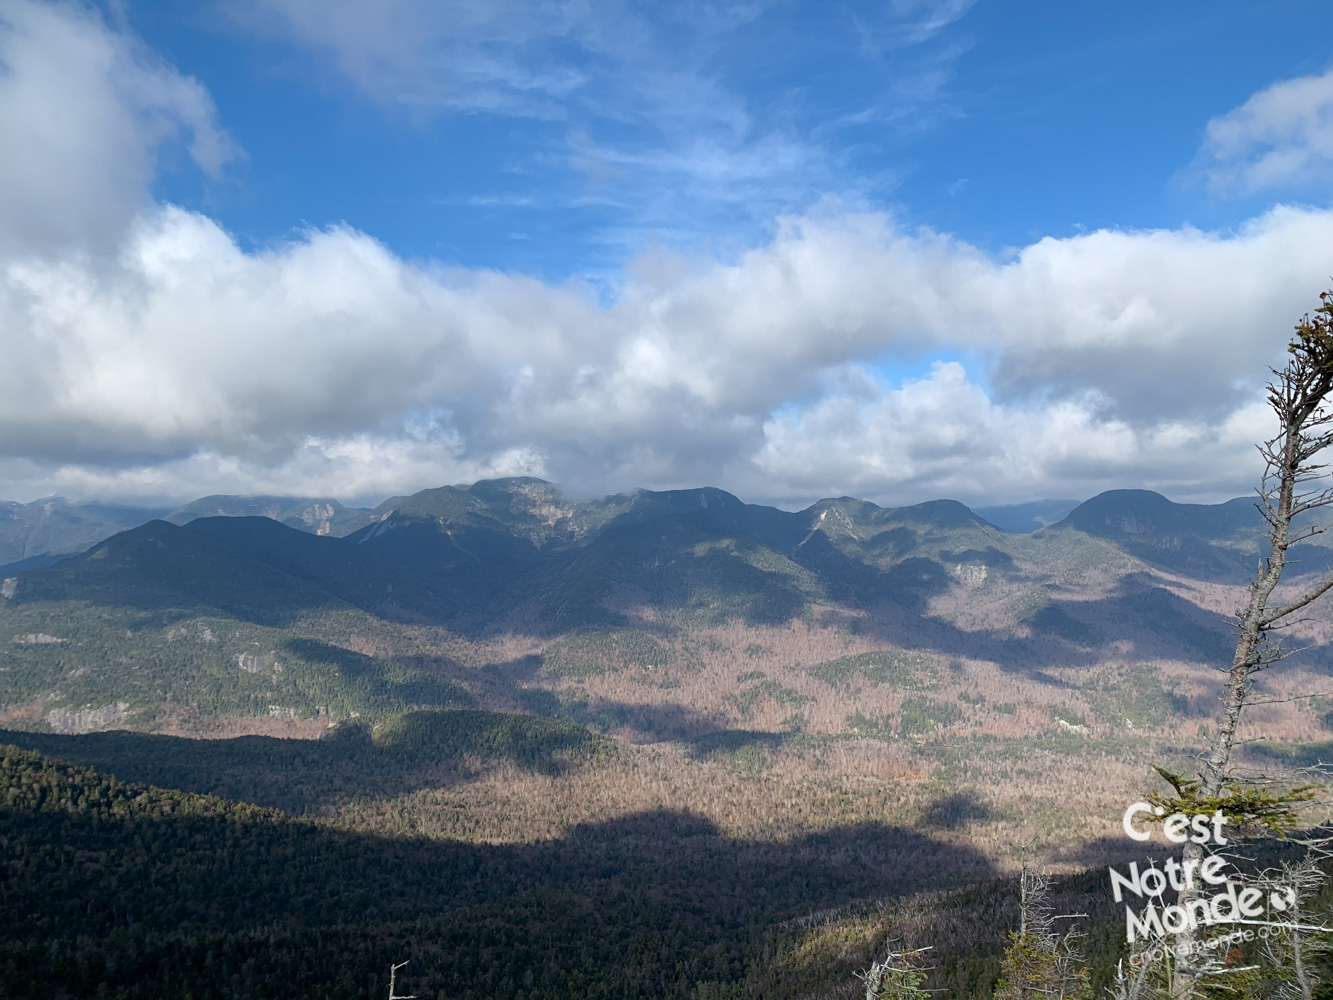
(39, 533)
(246, 614)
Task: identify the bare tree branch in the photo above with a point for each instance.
(1308, 598)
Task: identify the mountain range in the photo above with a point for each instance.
(40, 533)
(37, 534)
(701, 720)
(507, 594)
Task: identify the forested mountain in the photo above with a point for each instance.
(116, 889)
(39, 533)
(658, 744)
(322, 516)
(247, 616)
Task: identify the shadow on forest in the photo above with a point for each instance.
(1153, 621)
(186, 866)
(729, 741)
(300, 777)
(514, 686)
(674, 868)
(954, 811)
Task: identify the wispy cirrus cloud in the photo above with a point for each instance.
(680, 117)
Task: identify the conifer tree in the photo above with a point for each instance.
(1297, 954)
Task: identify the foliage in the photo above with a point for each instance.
(528, 741)
(1135, 697)
(1251, 810)
(587, 654)
(885, 667)
(154, 893)
(152, 662)
(915, 717)
(898, 976)
(766, 690)
(1041, 964)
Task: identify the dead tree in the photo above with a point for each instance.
(393, 981)
(1041, 963)
(901, 976)
(1296, 947)
(1289, 488)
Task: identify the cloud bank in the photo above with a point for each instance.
(147, 354)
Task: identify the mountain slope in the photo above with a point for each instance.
(458, 592)
(321, 516)
(1218, 542)
(161, 619)
(117, 889)
(54, 527)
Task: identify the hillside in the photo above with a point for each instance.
(38, 534)
(743, 745)
(660, 615)
(160, 620)
(41, 533)
(320, 516)
(112, 887)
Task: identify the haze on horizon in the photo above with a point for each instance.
(900, 251)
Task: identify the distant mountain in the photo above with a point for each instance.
(1219, 542)
(1027, 517)
(247, 615)
(162, 619)
(53, 527)
(43, 532)
(320, 516)
(514, 546)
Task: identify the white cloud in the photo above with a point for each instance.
(172, 362)
(1113, 358)
(83, 113)
(944, 436)
(1281, 136)
(470, 55)
(923, 19)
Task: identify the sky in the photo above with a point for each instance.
(898, 250)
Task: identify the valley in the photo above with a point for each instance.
(745, 745)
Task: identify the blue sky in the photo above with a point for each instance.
(900, 249)
(697, 125)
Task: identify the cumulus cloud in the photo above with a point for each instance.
(944, 435)
(1281, 136)
(84, 111)
(146, 353)
(1099, 360)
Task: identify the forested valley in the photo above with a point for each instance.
(657, 745)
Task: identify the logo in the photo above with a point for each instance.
(1213, 896)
